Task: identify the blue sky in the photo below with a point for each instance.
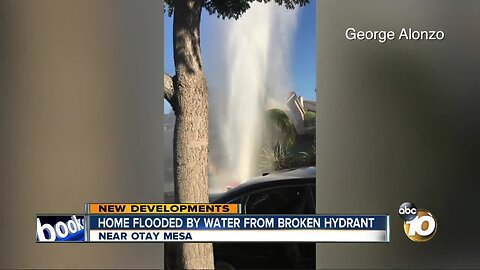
(303, 54)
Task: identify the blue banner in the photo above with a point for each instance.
(238, 222)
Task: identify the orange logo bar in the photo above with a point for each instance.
(164, 208)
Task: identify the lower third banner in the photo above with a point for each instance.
(239, 228)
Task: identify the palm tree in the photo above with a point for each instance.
(278, 120)
(280, 137)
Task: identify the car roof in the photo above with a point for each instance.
(300, 175)
(307, 172)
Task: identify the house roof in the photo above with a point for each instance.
(310, 105)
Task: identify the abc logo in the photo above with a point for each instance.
(419, 224)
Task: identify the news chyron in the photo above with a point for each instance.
(419, 224)
(60, 228)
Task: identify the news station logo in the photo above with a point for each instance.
(60, 228)
(419, 224)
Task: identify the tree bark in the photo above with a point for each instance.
(169, 89)
(190, 103)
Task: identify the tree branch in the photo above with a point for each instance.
(169, 88)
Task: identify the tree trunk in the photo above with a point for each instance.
(190, 103)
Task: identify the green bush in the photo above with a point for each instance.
(277, 157)
(310, 118)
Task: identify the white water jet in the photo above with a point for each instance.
(250, 69)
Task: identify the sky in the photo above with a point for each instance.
(303, 54)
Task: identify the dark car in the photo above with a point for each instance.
(291, 192)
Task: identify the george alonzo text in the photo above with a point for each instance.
(383, 36)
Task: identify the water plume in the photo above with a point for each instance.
(248, 72)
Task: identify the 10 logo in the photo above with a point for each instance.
(419, 224)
